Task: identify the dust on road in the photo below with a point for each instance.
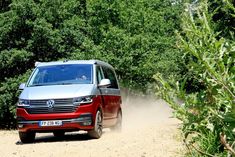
(148, 131)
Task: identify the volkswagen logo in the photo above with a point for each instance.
(50, 103)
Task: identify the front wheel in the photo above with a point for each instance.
(27, 137)
(98, 127)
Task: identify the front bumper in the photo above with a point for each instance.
(81, 119)
(83, 122)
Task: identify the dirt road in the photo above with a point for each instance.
(148, 131)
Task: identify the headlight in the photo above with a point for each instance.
(83, 100)
(23, 103)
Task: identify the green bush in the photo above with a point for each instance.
(8, 98)
(208, 113)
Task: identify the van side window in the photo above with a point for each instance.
(109, 74)
(99, 74)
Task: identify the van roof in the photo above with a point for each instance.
(40, 64)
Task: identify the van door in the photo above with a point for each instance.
(103, 93)
(112, 94)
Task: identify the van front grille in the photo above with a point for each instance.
(59, 106)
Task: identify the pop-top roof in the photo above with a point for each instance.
(39, 64)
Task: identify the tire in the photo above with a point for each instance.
(118, 126)
(27, 137)
(98, 127)
(58, 134)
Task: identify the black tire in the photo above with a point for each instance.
(98, 126)
(27, 137)
(118, 126)
(59, 134)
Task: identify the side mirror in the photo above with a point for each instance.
(104, 83)
(22, 85)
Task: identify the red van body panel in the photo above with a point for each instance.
(30, 122)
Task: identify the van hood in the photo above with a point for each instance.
(57, 91)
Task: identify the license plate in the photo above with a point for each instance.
(50, 123)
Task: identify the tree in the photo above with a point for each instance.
(34, 31)
(4, 5)
(136, 36)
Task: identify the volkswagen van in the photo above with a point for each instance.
(66, 96)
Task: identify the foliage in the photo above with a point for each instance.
(136, 37)
(223, 17)
(4, 5)
(8, 92)
(209, 112)
(33, 31)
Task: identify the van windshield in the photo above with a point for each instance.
(62, 75)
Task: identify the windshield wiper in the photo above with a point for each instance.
(45, 84)
(64, 83)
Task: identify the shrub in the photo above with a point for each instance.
(208, 114)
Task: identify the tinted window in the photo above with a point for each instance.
(99, 74)
(109, 74)
(62, 74)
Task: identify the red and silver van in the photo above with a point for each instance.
(68, 96)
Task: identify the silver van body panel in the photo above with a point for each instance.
(58, 91)
(68, 91)
(109, 91)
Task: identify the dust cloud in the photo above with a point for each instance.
(144, 111)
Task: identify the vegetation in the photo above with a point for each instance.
(208, 112)
(135, 36)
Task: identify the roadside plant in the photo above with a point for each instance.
(208, 113)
